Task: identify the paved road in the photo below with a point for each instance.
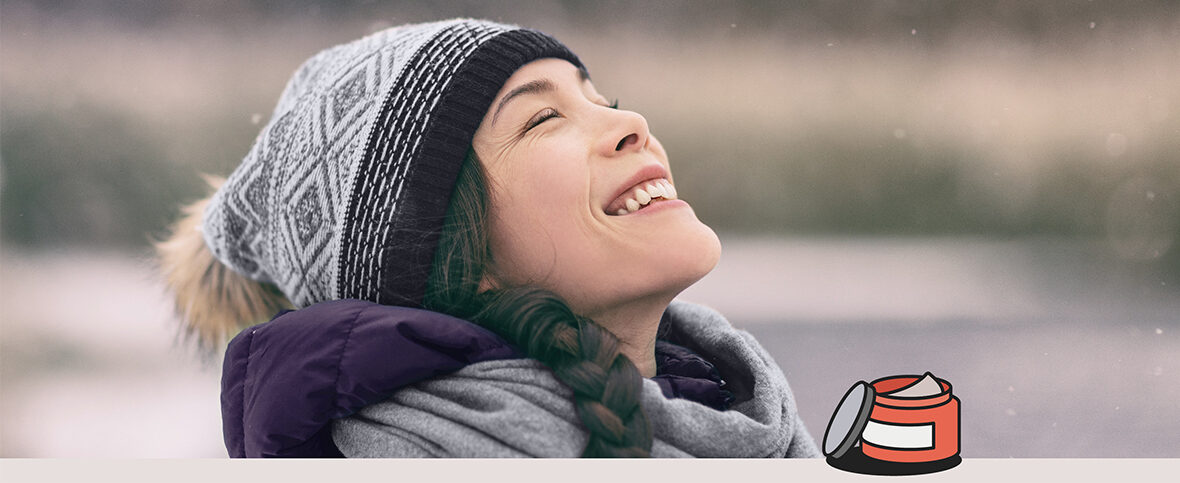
(1054, 349)
(1027, 390)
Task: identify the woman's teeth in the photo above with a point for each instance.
(643, 196)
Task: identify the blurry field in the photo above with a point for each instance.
(91, 365)
(1013, 119)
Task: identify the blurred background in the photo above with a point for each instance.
(987, 190)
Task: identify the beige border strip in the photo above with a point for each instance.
(549, 471)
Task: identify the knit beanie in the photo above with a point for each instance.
(345, 191)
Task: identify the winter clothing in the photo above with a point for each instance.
(345, 191)
(284, 381)
(517, 407)
(340, 204)
(681, 373)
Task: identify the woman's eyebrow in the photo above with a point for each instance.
(533, 87)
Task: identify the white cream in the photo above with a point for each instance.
(926, 387)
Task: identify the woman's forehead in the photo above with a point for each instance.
(539, 77)
(552, 69)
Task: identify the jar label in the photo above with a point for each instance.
(899, 436)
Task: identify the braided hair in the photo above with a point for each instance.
(583, 355)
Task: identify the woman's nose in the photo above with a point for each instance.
(627, 131)
(629, 140)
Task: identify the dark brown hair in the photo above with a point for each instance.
(582, 354)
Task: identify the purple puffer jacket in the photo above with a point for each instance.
(284, 381)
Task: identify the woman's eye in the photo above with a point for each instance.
(541, 117)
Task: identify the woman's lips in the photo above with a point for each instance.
(641, 195)
(647, 172)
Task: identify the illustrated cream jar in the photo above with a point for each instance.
(909, 421)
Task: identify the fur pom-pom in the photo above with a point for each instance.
(213, 301)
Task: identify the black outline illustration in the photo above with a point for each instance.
(849, 456)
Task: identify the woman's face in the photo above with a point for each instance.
(565, 171)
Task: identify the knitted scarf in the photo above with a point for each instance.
(518, 408)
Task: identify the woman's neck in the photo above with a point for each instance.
(635, 325)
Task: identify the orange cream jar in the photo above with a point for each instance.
(911, 429)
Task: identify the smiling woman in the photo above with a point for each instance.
(577, 188)
(484, 254)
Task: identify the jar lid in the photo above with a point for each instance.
(849, 420)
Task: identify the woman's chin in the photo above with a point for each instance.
(685, 257)
(692, 246)
(703, 254)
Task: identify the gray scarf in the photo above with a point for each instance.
(518, 408)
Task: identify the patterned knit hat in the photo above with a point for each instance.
(346, 189)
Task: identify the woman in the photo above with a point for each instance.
(484, 252)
